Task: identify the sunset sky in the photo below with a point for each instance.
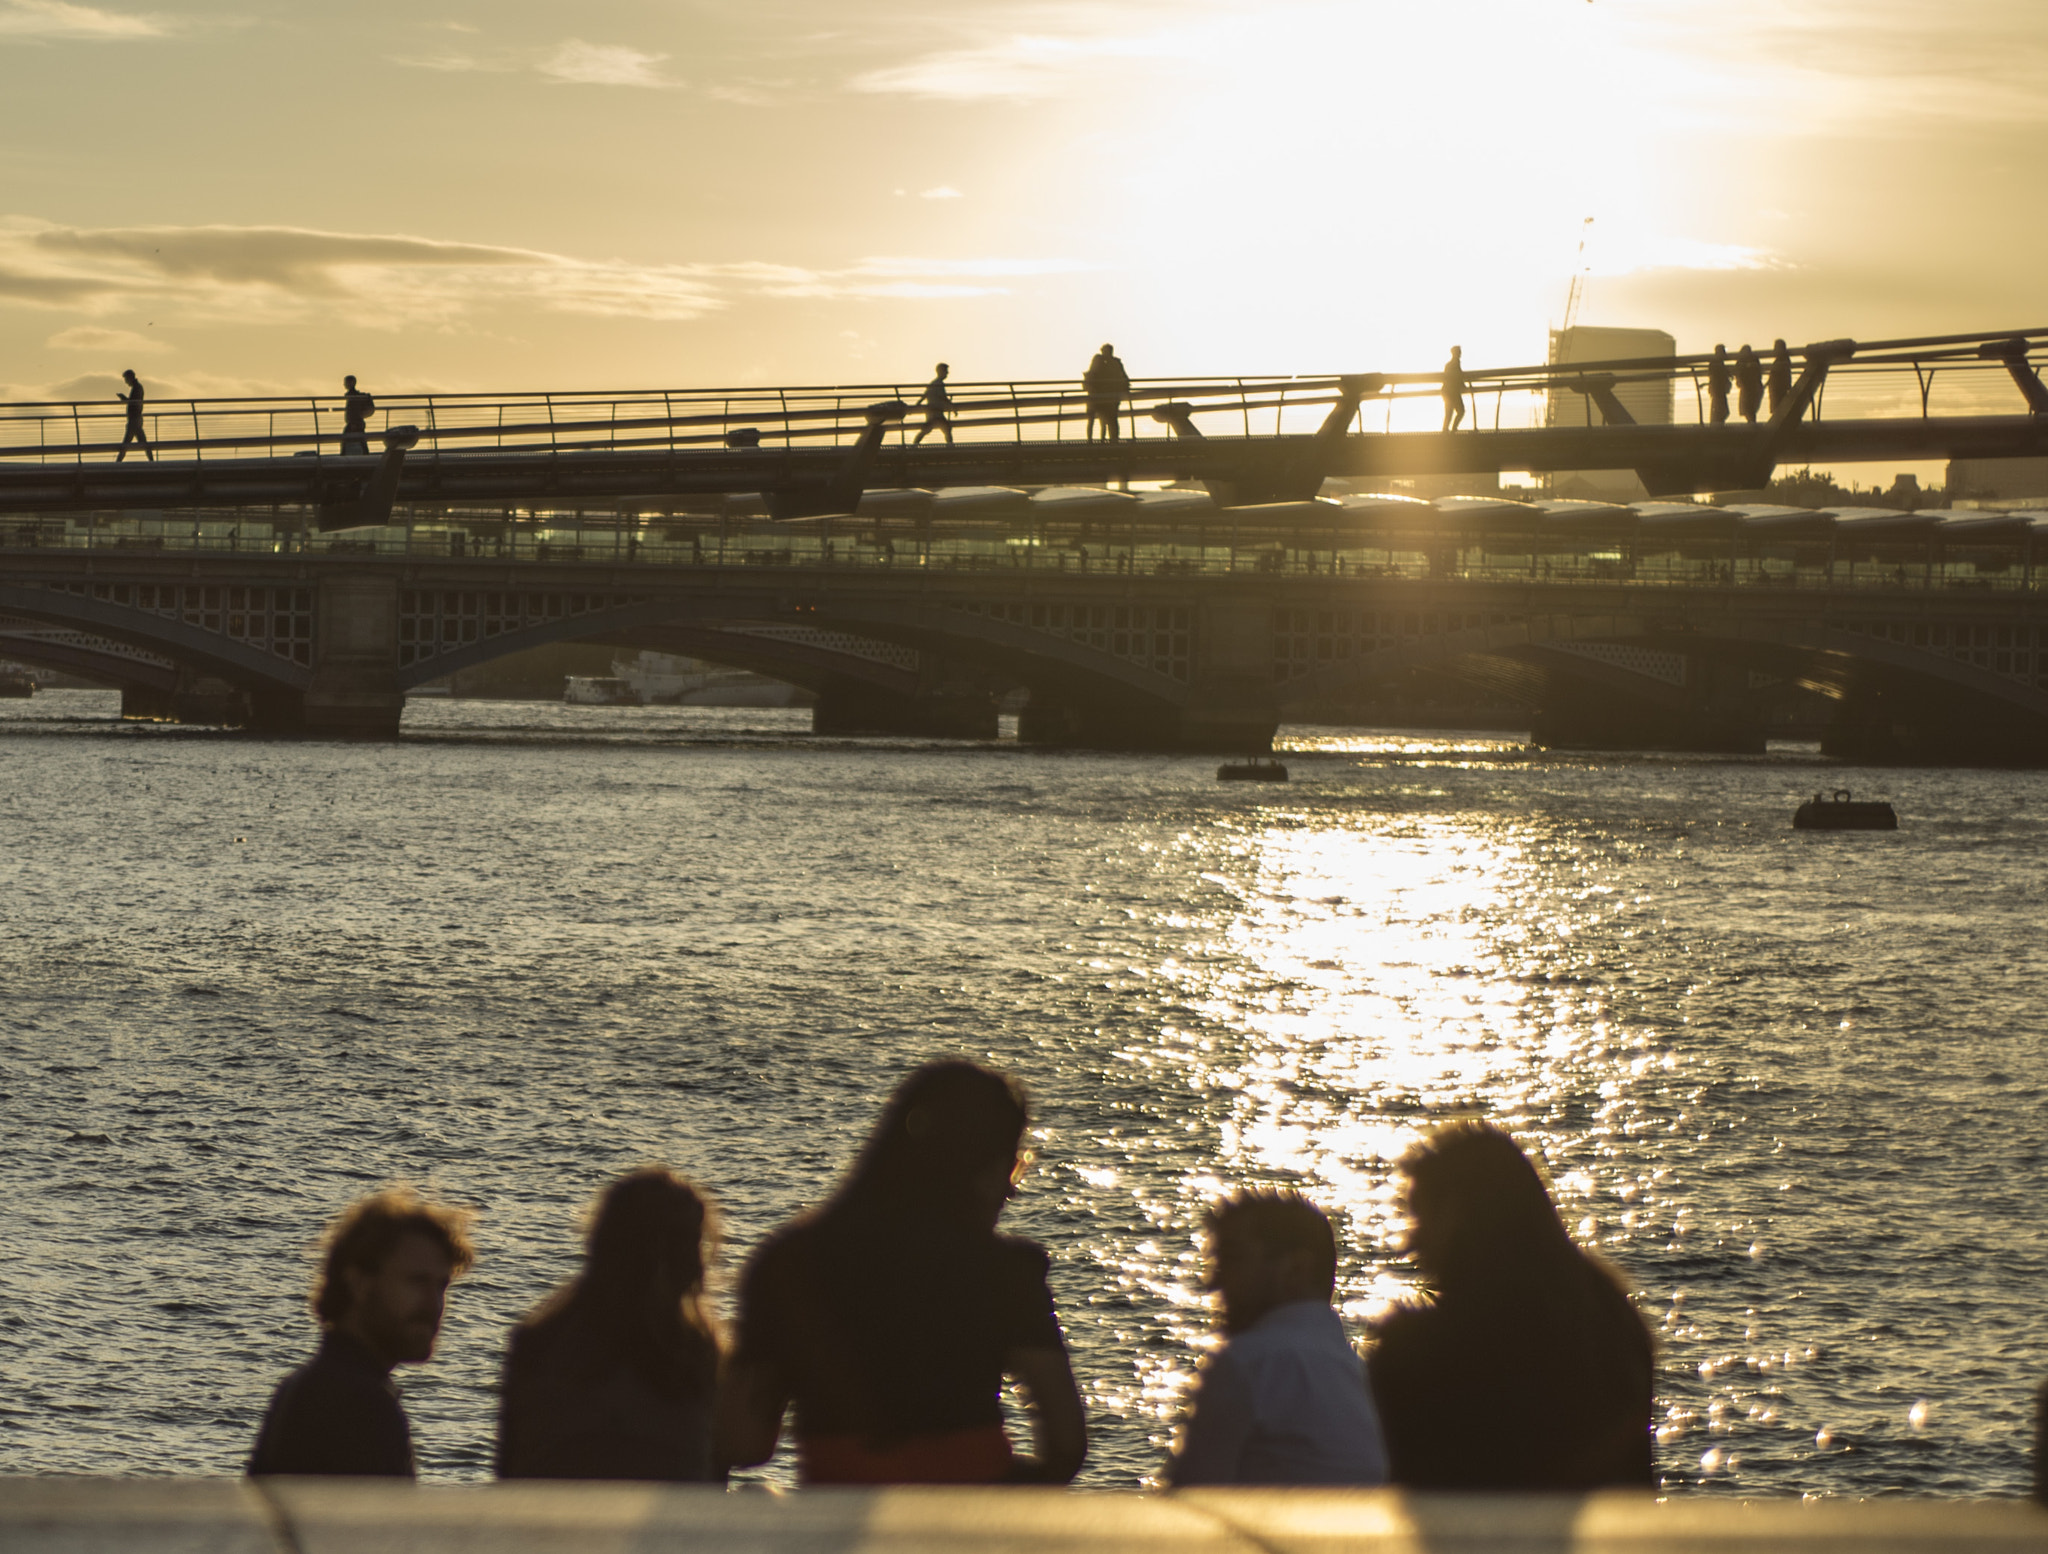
(258, 196)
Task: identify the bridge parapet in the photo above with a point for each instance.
(338, 1516)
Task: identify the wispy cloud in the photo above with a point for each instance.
(1626, 253)
(60, 19)
(944, 191)
(88, 337)
(1019, 67)
(602, 64)
(280, 274)
(290, 274)
(916, 278)
(572, 62)
(457, 64)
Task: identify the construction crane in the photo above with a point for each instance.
(1577, 294)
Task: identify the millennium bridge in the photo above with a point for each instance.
(1237, 551)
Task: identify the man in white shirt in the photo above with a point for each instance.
(1284, 1401)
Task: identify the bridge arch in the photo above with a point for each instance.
(208, 651)
(717, 627)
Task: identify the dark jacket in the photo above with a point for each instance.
(338, 1413)
(571, 1407)
(1519, 1387)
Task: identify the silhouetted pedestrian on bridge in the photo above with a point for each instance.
(379, 1295)
(133, 400)
(356, 409)
(1454, 389)
(1106, 385)
(615, 1375)
(1749, 384)
(1717, 387)
(1781, 376)
(936, 402)
(1526, 1368)
(890, 1316)
(1284, 1401)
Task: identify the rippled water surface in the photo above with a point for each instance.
(1792, 1084)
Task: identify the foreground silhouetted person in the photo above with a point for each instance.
(356, 409)
(1285, 1400)
(614, 1375)
(133, 399)
(1454, 389)
(1749, 384)
(890, 1316)
(936, 402)
(1106, 384)
(1527, 1368)
(383, 1280)
(1717, 387)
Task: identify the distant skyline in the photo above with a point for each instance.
(257, 197)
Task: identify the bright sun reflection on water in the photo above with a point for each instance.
(1363, 984)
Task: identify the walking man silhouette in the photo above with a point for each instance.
(1781, 376)
(1749, 384)
(936, 402)
(1454, 389)
(1105, 383)
(356, 409)
(1717, 387)
(133, 400)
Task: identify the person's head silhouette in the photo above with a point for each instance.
(1777, 345)
(942, 369)
(128, 373)
(349, 382)
(1109, 350)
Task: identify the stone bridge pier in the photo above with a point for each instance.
(353, 691)
(1227, 705)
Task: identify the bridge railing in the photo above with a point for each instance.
(1953, 374)
(1708, 548)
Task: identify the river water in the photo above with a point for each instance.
(1791, 1084)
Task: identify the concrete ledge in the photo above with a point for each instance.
(314, 1516)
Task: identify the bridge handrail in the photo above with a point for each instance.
(594, 420)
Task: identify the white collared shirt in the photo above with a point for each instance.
(1285, 1402)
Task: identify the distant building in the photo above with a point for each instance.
(1649, 402)
(1995, 480)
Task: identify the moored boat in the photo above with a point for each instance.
(1845, 813)
(598, 690)
(1258, 769)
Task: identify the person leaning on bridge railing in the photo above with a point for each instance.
(1106, 386)
(1454, 389)
(1749, 383)
(1717, 387)
(1781, 375)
